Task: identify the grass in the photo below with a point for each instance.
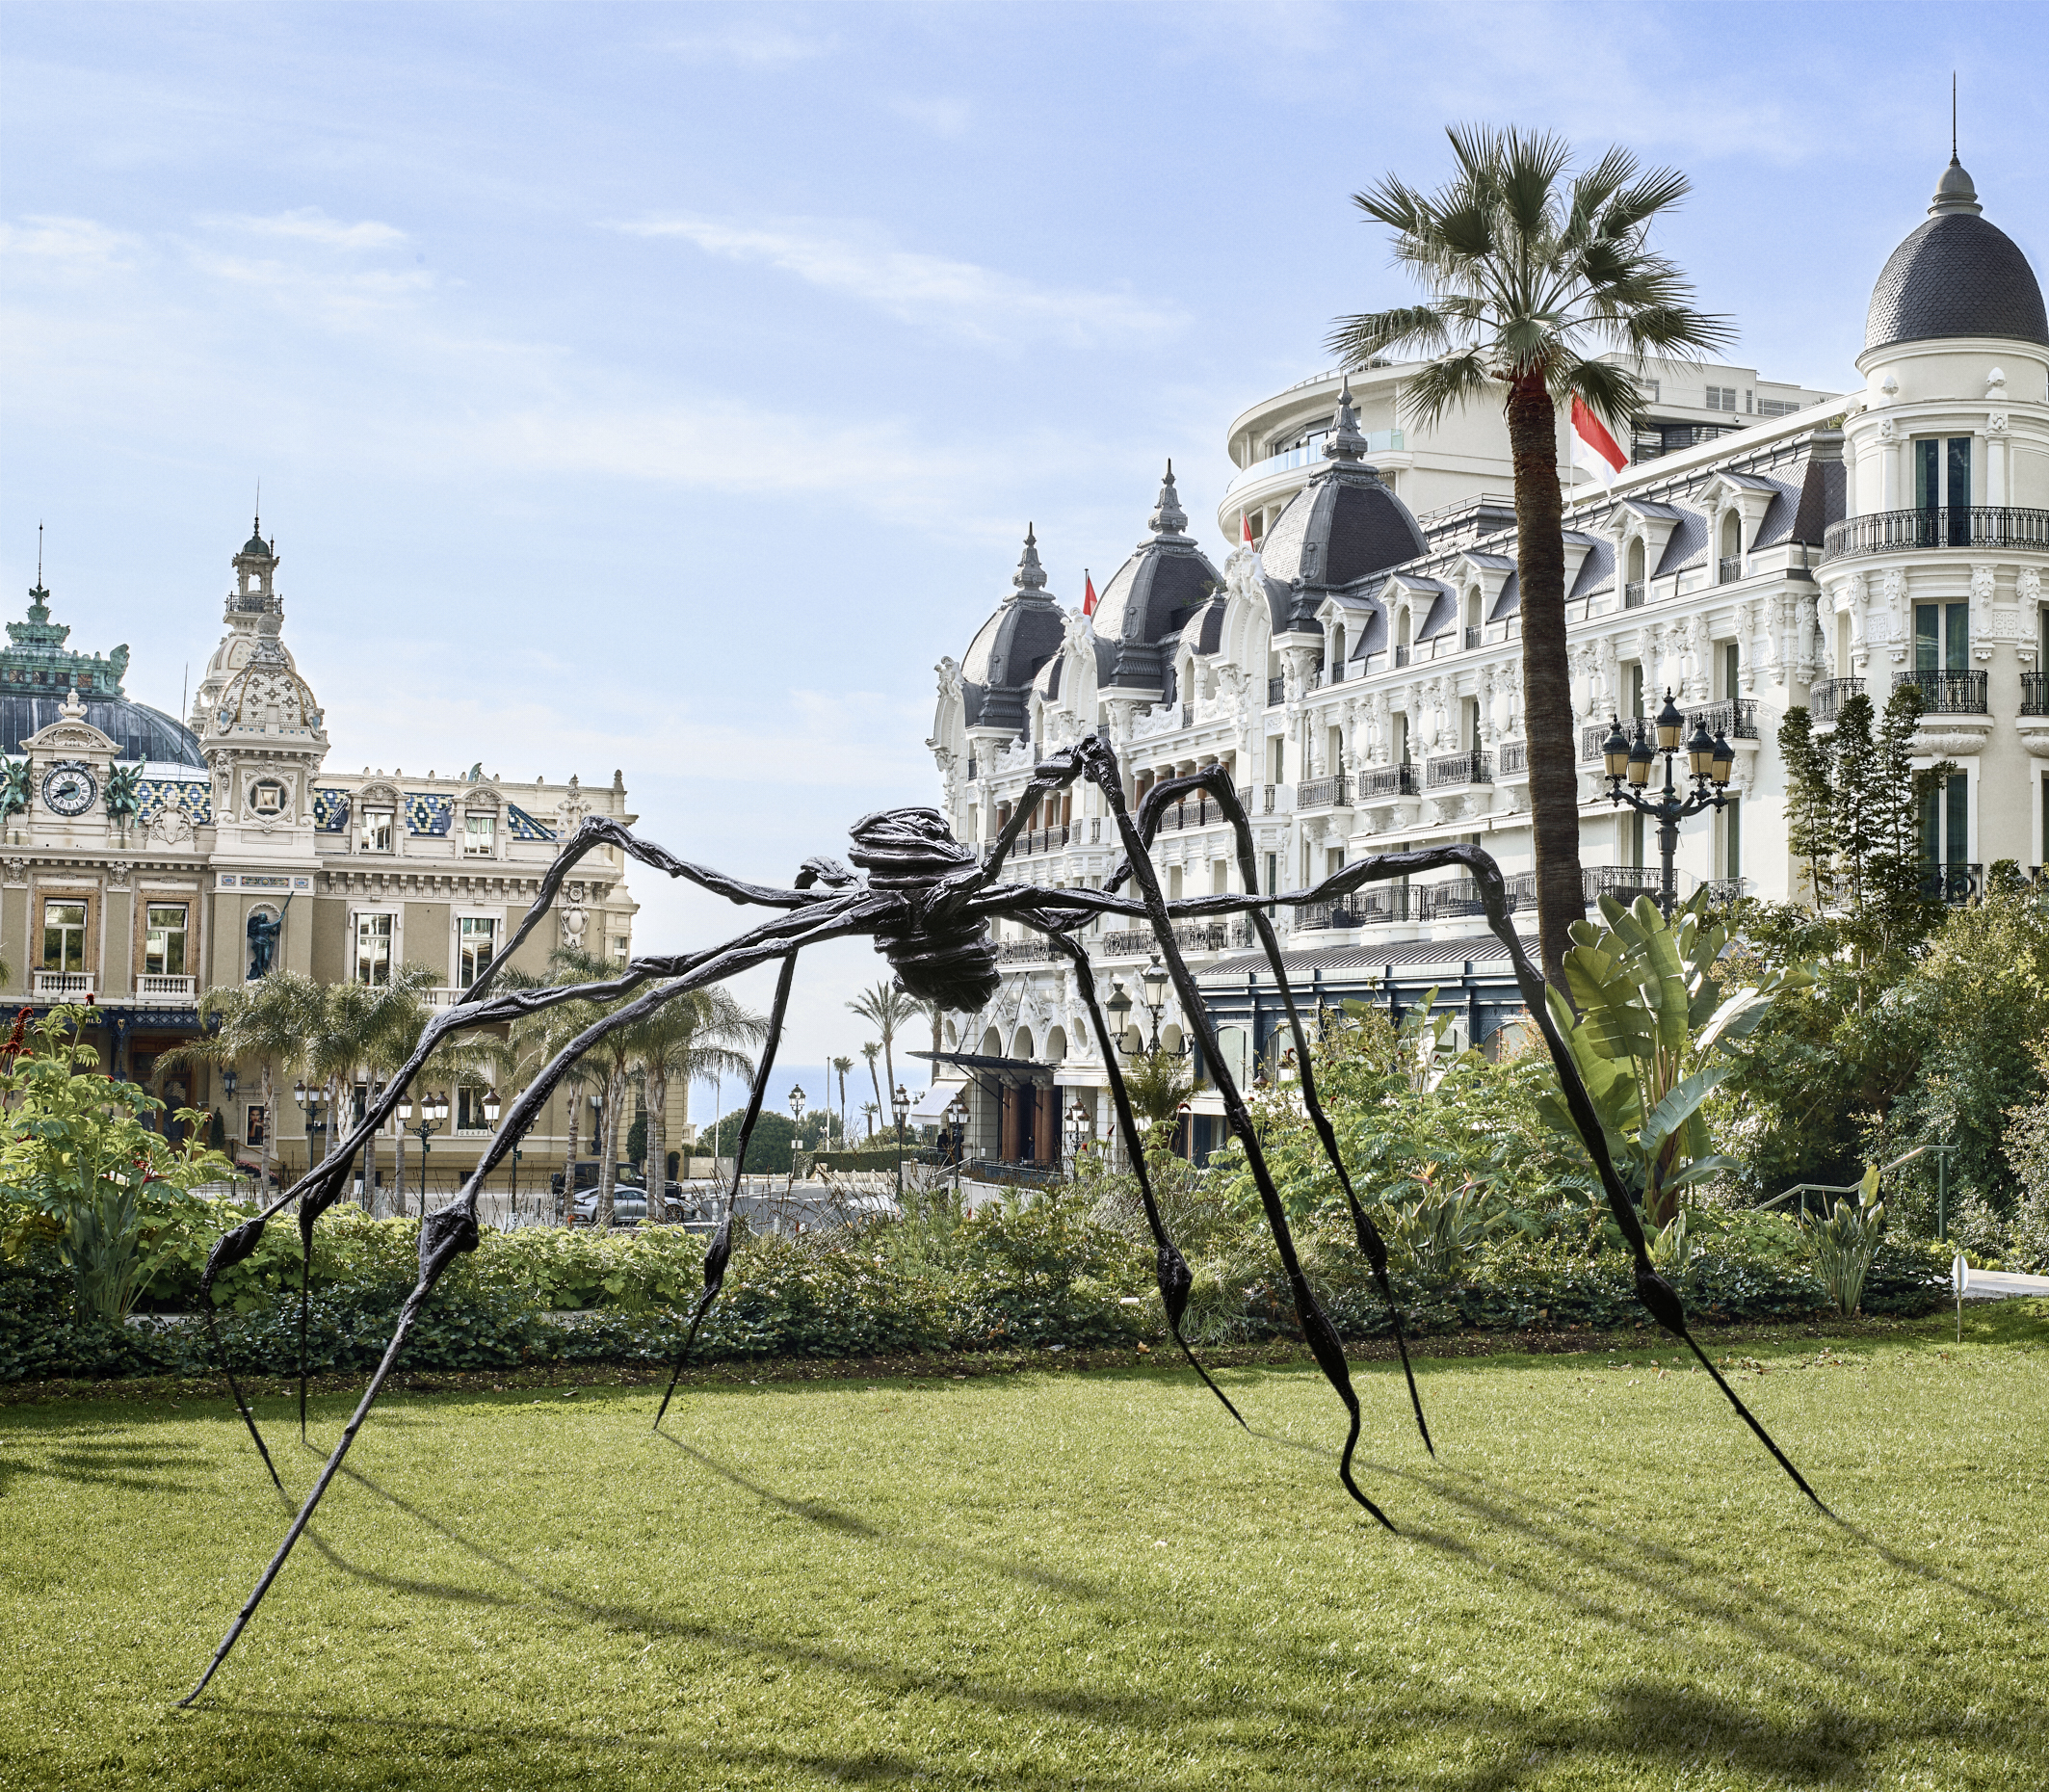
(1062, 1580)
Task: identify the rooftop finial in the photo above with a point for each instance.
(1168, 516)
(1030, 578)
(1345, 442)
(1953, 114)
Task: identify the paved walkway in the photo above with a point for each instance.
(1998, 1285)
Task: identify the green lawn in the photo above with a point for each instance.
(1062, 1580)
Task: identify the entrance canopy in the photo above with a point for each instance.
(994, 1072)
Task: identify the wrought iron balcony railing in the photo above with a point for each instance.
(1276, 691)
(1954, 884)
(1729, 568)
(1734, 716)
(1830, 694)
(1367, 908)
(1386, 780)
(1189, 935)
(1472, 635)
(1979, 525)
(2035, 693)
(1946, 693)
(1514, 757)
(1400, 656)
(1634, 595)
(1024, 952)
(1324, 793)
(1451, 768)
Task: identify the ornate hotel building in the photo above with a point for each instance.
(147, 861)
(1359, 672)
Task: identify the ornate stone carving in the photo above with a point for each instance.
(119, 872)
(1985, 587)
(15, 873)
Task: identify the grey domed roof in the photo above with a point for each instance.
(138, 731)
(1011, 647)
(1151, 596)
(1343, 526)
(1955, 276)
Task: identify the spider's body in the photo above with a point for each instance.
(928, 903)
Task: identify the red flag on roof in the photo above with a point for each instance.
(1245, 527)
(1088, 594)
(1593, 448)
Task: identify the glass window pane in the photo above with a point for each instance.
(1959, 819)
(1928, 646)
(1928, 474)
(164, 945)
(1956, 647)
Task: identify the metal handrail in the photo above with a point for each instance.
(1978, 525)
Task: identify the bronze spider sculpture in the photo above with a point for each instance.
(926, 903)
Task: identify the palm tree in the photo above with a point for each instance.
(885, 1007)
(540, 1035)
(872, 1051)
(609, 1066)
(362, 1031)
(268, 1021)
(1527, 280)
(692, 1037)
(839, 1068)
(1157, 1083)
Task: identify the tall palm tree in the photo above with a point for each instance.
(267, 1021)
(871, 1051)
(695, 1035)
(886, 1008)
(608, 1068)
(362, 1031)
(537, 1037)
(1529, 276)
(839, 1068)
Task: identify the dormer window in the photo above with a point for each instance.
(480, 836)
(376, 830)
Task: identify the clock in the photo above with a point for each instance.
(70, 787)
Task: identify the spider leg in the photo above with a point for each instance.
(1371, 1245)
(721, 1249)
(1322, 1336)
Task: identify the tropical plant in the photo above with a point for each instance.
(1436, 1235)
(1651, 1040)
(693, 1037)
(268, 1022)
(1528, 280)
(1844, 1241)
(542, 1036)
(885, 1007)
(840, 1067)
(81, 1168)
(1158, 1082)
(871, 1051)
(362, 1030)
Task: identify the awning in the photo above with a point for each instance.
(933, 1104)
(992, 1073)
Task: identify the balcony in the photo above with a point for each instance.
(1453, 770)
(1025, 952)
(1634, 595)
(1955, 884)
(1366, 908)
(1892, 532)
(1386, 780)
(1189, 936)
(1830, 694)
(63, 986)
(1946, 693)
(1201, 810)
(1515, 758)
(1472, 635)
(167, 991)
(1591, 738)
(2035, 693)
(1276, 691)
(1729, 568)
(1735, 716)
(1400, 656)
(1309, 454)
(1324, 793)
(1328, 675)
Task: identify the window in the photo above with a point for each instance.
(469, 1110)
(267, 798)
(480, 836)
(1731, 668)
(163, 941)
(255, 1121)
(1732, 839)
(619, 947)
(1778, 406)
(478, 938)
(1720, 397)
(376, 830)
(1946, 822)
(1942, 637)
(1942, 481)
(1653, 390)
(63, 936)
(372, 948)
(1633, 839)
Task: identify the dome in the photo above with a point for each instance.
(266, 696)
(1151, 596)
(1955, 276)
(1010, 649)
(137, 731)
(1343, 526)
(256, 548)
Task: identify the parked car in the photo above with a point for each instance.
(629, 1205)
(587, 1176)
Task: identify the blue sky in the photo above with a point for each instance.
(668, 388)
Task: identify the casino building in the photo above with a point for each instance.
(147, 861)
(1357, 669)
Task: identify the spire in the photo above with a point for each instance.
(39, 598)
(1030, 578)
(1345, 442)
(1168, 516)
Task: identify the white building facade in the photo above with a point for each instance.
(1359, 672)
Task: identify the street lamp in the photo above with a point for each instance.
(1628, 757)
(900, 1106)
(797, 1119)
(957, 1112)
(1081, 1129)
(1154, 978)
(1185, 1116)
(434, 1116)
(311, 1102)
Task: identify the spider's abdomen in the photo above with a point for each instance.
(937, 956)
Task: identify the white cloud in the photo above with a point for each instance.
(73, 243)
(310, 225)
(975, 301)
(753, 46)
(943, 117)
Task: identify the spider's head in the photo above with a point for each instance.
(937, 955)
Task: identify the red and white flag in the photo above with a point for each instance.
(1593, 448)
(1244, 528)
(1088, 594)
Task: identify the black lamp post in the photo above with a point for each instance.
(1118, 1006)
(900, 1106)
(434, 1116)
(1080, 1130)
(957, 1112)
(797, 1120)
(1630, 757)
(311, 1102)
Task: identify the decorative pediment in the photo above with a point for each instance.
(70, 740)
